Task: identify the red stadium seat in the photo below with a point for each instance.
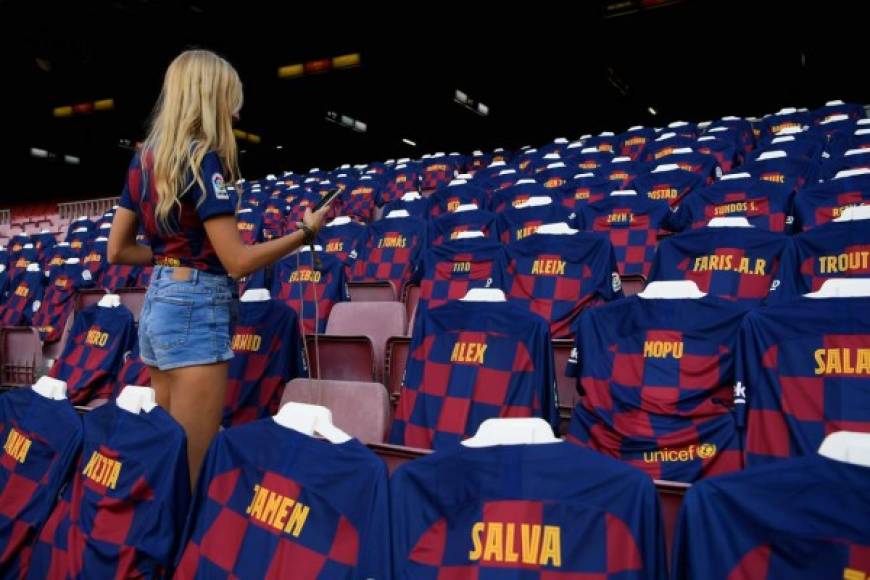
(361, 409)
(21, 352)
(411, 298)
(394, 366)
(382, 291)
(376, 320)
(343, 358)
(632, 284)
(566, 386)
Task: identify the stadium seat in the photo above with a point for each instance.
(396, 357)
(372, 291)
(361, 409)
(344, 358)
(397, 455)
(632, 284)
(21, 352)
(376, 320)
(566, 386)
(132, 298)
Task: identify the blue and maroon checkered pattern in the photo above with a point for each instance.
(472, 361)
(555, 176)
(345, 241)
(186, 242)
(725, 151)
(360, 201)
(589, 162)
(44, 243)
(604, 143)
(545, 512)
(79, 242)
(340, 490)
(518, 222)
(669, 187)
(808, 146)
(656, 378)
(773, 124)
(633, 141)
(309, 288)
(765, 205)
(78, 223)
(274, 218)
(41, 438)
(803, 372)
(449, 197)
(126, 504)
(656, 151)
(834, 250)
(249, 222)
(802, 518)
(18, 262)
(268, 352)
(793, 173)
(740, 130)
(133, 372)
(56, 257)
(95, 260)
(119, 276)
(446, 227)
(403, 178)
(436, 172)
(622, 173)
(632, 223)
(731, 263)
(584, 189)
(821, 203)
(557, 276)
(390, 250)
(448, 271)
(25, 298)
(94, 352)
(59, 300)
(695, 162)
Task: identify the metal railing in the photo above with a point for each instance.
(88, 207)
(5, 217)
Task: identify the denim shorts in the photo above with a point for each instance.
(186, 323)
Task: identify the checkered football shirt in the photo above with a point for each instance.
(656, 380)
(803, 372)
(124, 509)
(524, 511)
(332, 518)
(468, 362)
(41, 438)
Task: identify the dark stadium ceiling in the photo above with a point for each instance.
(544, 71)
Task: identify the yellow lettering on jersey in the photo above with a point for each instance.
(726, 263)
(245, 226)
(393, 241)
(93, 257)
(102, 470)
(461, 267)
(554, 182)
(842, 361)
(246, 342)
(773, 177)
(525, 232)
(468, 352)
(502, 542)
(622, 217)
(17, 445)
(96, 337)
(663, 193)
(663, 349)
(668, 455)
(22, 291)
(336, 246)
(551, 267)
(167, 261)
(274, 509)
(582, 193)
(847, 262)
(436, 167)
(305, 276)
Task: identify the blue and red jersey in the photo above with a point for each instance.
(268, 352)
(449, 197)
(472, 361)
(123, 513)
(803, 372)
(516, 193)
(94, 352)
(520, 221)
(446, 227)
(390, 250)
(634, 140)
(59, 300)
(731, 263)
(24, 300)
(403, 178)
(656, 379)
(558, 276)
(821, 203)
(344, 240)
(185, 242)
(436, 172)
(539, 511)
(670, 187)
(804, 519)
(299, 507)
(41, 439)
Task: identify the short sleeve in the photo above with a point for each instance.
(216, 201)
(130, 195)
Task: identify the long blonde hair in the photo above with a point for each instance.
(194, 114)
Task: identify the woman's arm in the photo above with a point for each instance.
(240, 259)
(122, 247)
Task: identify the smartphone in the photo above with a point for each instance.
(327, 198)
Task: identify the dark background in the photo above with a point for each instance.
(544, 70)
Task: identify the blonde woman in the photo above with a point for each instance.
(176, 192)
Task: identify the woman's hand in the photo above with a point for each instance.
(313, 220)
